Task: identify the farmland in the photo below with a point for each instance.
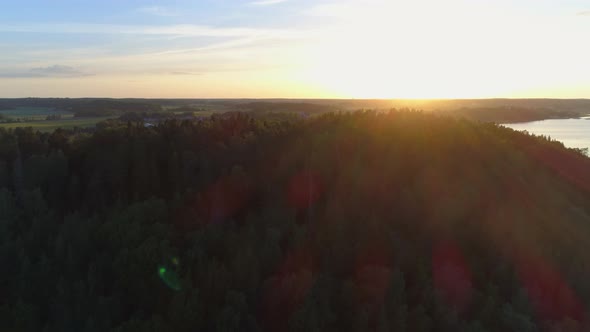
(50, 125)
(27, 113)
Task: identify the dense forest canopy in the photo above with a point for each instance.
(364, 221)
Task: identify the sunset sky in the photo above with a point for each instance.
(295, 48)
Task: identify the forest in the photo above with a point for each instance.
(345, 221)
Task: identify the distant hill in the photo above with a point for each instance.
(487, 110)
(288, 107)
(84, 107)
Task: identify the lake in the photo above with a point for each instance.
(573, 133)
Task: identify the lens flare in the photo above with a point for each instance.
(169, 277)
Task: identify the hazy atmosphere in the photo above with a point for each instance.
(297, 49)
(294, 166)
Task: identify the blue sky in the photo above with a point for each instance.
(291, 48)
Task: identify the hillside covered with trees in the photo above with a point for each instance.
(365, 221)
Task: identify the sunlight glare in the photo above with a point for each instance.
(453, 50)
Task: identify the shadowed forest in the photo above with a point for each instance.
(363, 221)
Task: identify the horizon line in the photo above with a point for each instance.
(305, 98)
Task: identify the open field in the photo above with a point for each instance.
(200, 113)
(33, 113)
(47, 126)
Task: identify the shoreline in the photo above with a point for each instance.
(581, 117)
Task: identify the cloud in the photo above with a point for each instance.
(49, 71)
(584, 13)
(266, 2)
(185, 73)
(57, 70)
(232, 44)
(183, 30)
(158, 11)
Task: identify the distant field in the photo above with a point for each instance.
(33, 113)
(47, 126)
(200, 113)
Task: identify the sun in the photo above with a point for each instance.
(377, 69)
(375, 72)
(383, 53)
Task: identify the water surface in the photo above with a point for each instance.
(573, 133)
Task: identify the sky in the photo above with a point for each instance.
(295, 48)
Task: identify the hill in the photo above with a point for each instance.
(365, 221)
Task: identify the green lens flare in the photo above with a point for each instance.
(170, 278)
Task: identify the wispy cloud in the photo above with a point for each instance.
(186, 30)
(232, 44)
(185, 73)
(266, 2)
(158, 11)
(54, 71)
(58, 70)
